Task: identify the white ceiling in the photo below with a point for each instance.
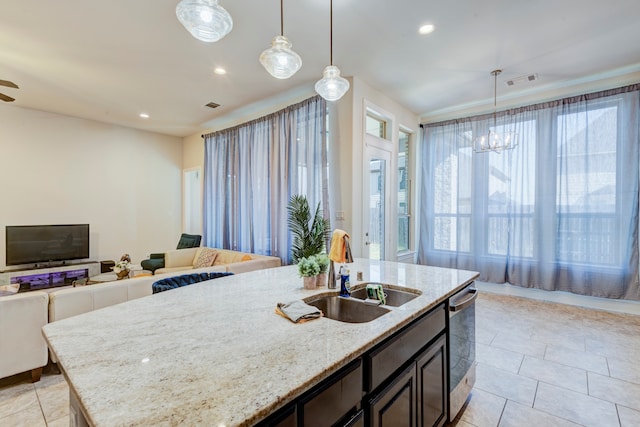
(110, 60)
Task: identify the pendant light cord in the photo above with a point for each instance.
(330, 32)
(495, 94)
(282, 17)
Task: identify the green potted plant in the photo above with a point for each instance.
(308, 269)
(309, 233)
(323, 262)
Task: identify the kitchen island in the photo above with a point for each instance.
(216, 354)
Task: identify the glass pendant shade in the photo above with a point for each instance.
(279, 60)
(204, 19)
(331, 86)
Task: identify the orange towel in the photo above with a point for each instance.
(338, 252)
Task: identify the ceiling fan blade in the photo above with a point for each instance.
(6, 98)
(7, 83)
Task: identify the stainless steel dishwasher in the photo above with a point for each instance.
(462, 348)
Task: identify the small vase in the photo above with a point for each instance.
(122, 274)
(309, 282)
(321, 280)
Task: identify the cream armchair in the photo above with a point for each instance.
(22, 346)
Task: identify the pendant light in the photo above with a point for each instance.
(331, 86)
(495, 141)
(279, 60)
(204, 19)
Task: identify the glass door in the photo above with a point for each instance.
(376, 206)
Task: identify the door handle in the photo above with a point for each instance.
(466, 302)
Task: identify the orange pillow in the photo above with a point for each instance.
(246, 258)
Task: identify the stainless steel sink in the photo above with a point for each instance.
(394, 297)
(346, 309)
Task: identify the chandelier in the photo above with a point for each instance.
(493, 140)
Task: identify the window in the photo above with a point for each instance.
(376, 126)
(557, 212)
(404, 193)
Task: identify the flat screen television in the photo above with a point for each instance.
(28, 244)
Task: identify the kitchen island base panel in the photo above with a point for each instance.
(76, 416)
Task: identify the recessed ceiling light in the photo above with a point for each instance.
(219, 70)
(144, 115)
(427, 29)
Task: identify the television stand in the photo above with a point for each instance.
(49, 277)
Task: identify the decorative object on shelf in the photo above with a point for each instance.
(279, 60)
(123, 267)
(7, 83)
(323, 262)
(331, 86)
(308, 269)
(206, 20)
(494, 140)
(309, 234)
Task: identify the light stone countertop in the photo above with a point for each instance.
(216, 354)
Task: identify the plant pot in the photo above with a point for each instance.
(321, 280)
(309, 282)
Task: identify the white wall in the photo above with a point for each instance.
(125, 183)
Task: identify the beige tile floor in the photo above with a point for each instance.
(539, 364)
(549, 364)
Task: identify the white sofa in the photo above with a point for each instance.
(181, 260)
(22, 346)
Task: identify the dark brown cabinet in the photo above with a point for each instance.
(395, 406)
(401, 382)
(432, 390)
(335, 399)
(334, 402)
(418, 395)
(284, 418)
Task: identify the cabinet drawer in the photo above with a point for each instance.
(335, 398)
(391, 355)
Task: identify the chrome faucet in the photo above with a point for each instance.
(331, 281)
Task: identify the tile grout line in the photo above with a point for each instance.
(618, 414)
(40, 405)
(521, 363)
(535, 395)
(502, 412)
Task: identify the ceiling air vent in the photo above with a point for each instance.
(212, 105)
(522, 79)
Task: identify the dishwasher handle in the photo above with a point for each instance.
(458, 306)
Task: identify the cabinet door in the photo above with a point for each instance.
(395, 406)
(333, 399)
(432, 385)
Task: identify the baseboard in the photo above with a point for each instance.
(614, 305)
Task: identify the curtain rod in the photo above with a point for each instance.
(541, 105)
(292, 106)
